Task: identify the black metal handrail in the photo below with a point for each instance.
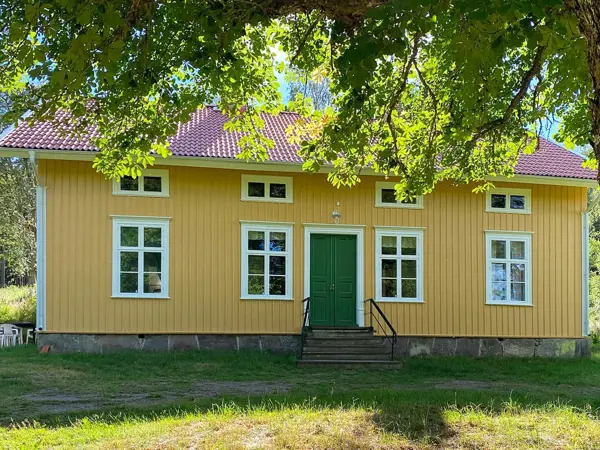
(393, 335)
(304, 324)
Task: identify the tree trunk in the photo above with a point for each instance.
(588, 13)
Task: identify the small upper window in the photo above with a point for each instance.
(385, 196)
(262, 188)
(509, 200)
(152, 183)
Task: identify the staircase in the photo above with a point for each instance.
(354, 347)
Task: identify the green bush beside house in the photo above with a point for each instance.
(17, 304)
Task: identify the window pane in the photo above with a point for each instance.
(410, 201)
(388, 196)
(517, 202)
(129, 236)
(152, 237)
(152, 184)
(389, 268)
(256, 189)
(517, 272)
(388, 288)
(409, 245)
(277, 241)
(152, 262)
(498, 249)
(517, 250)
(129, 261)
(499, 291)
(256, 285)
(498, 272)
(409, 268)
(409, 288)
(517, 292)
(498, 201)
(256, 240)
(256, 264)
(129, 283)
(276, 285)
(388, 245)
(277, 265)
(277, 190)
(152, 283)
(129, 184)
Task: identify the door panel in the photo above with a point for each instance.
(332, 280)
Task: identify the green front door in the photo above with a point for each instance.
(332, 280)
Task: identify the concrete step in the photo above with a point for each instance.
(349, 364)
(346, 343)
(346, 356)
(341, 333)
(354, 350)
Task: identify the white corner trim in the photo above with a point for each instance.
(359, 232)
(162, 173)
(267, 180)
(40, 315)
(380, 185)
(585, 269)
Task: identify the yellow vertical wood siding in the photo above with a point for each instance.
(206, 210)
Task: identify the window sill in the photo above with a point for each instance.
(141, 194)
(285, 299)
(393, 300)
(492, 303)
(506, 211)
(267, 200)
(141, 297)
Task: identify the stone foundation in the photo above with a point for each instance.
(405, 346)
(102, 343)
(480, 347)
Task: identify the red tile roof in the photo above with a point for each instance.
(203, 136)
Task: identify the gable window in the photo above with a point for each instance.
(508, 268)
(507, 200)
(266, 261)
(140, 257)
(385, 196)
(152, 183)
(399, 270)
(261, 188)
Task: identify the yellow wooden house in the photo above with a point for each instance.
(207, 251)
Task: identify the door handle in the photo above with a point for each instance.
(332, 288)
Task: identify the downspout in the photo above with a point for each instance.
(40, 244)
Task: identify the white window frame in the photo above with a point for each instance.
(508, 236)
(140, 222)
(380, 185)
(267, 180)
(508, 192)
(162, 173)
(398, 233)
(267, 227)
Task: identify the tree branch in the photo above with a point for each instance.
(304, 40)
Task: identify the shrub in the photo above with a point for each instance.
(17, 304)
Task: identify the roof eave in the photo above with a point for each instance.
(267, 166)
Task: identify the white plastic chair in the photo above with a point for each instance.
(9, 335)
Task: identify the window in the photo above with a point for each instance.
(261, 188)
(509, 201)
(385, 196)
(399, 270)
(152, 183)
(508, 268)
(140, 257)
(266, 261)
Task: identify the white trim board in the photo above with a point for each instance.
(585, 278)
(355, 230)
(266, 166)
(40, 315)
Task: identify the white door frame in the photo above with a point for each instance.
(354, 230)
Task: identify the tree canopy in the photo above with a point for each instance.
(423, 90)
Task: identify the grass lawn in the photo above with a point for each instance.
(254, 400)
